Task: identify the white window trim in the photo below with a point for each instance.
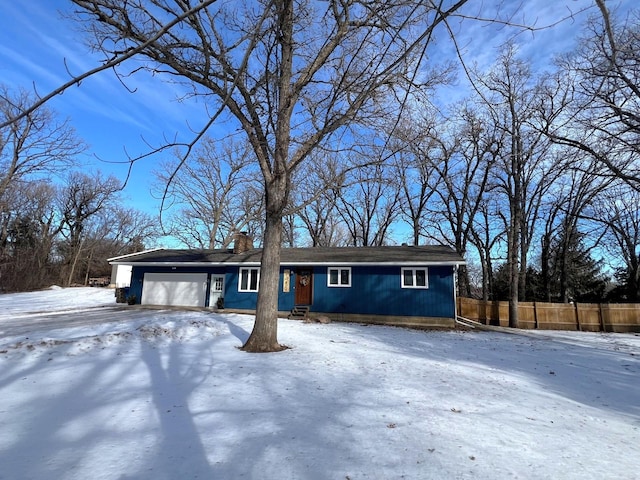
(413, 274)
(338, 285)
(248, 270)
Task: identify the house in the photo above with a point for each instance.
(403, 285)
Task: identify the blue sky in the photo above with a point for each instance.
(35, 44)
(36, 41)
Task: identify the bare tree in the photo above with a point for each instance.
(127, 229)
(564, 209)
(81, 199)
(112, 231)
(617, 209)
(468, 148)
(290, 73)
(51, 234)
(217, 192)
(315, 194)
(413, 143)
(524, 171)
(37, 143)
(486, 233)
(29, 227)
(598, 113)
(368, 205)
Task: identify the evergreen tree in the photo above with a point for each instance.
(574, 274)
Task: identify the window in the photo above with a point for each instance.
(218, 283)
(415, 278)
(249, 279)
(339, 277)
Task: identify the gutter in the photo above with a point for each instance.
(115, 261)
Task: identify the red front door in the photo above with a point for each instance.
(304, 286)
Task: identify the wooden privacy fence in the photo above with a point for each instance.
(587, 317)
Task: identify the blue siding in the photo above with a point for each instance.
(235, 299)
(377, 291)
(137, 274)
(374, 290)
(286, 300)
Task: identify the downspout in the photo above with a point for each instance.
(455, 292)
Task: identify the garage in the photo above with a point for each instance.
(177, 289)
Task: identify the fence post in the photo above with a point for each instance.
(535, 315)
(577, 317)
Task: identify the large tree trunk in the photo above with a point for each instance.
(513, 261)
(545, 265)
(634, 280)
(464, 286)
(264, 337)
(514, 284)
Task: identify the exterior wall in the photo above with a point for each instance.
(286, 300)
(377, 291)
(137, 274)
(232, 297)
(374, 290)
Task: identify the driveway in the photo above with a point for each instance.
(25, 322)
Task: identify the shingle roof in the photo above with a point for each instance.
(428, 254)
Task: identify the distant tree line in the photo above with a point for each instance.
(58, 222)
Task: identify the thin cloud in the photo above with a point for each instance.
(543, 29)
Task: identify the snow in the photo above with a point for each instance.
(165, 394)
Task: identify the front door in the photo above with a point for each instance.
(216, 291)
(304, 286)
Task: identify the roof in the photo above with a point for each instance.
(398, 255)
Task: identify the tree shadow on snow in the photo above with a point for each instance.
(180, 451)
(106, 414)
(598, 376)
(235, 329)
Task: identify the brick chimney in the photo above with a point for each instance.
(242, 242)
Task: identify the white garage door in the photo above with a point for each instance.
(179, 289)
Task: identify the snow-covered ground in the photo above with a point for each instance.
(168, 396)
